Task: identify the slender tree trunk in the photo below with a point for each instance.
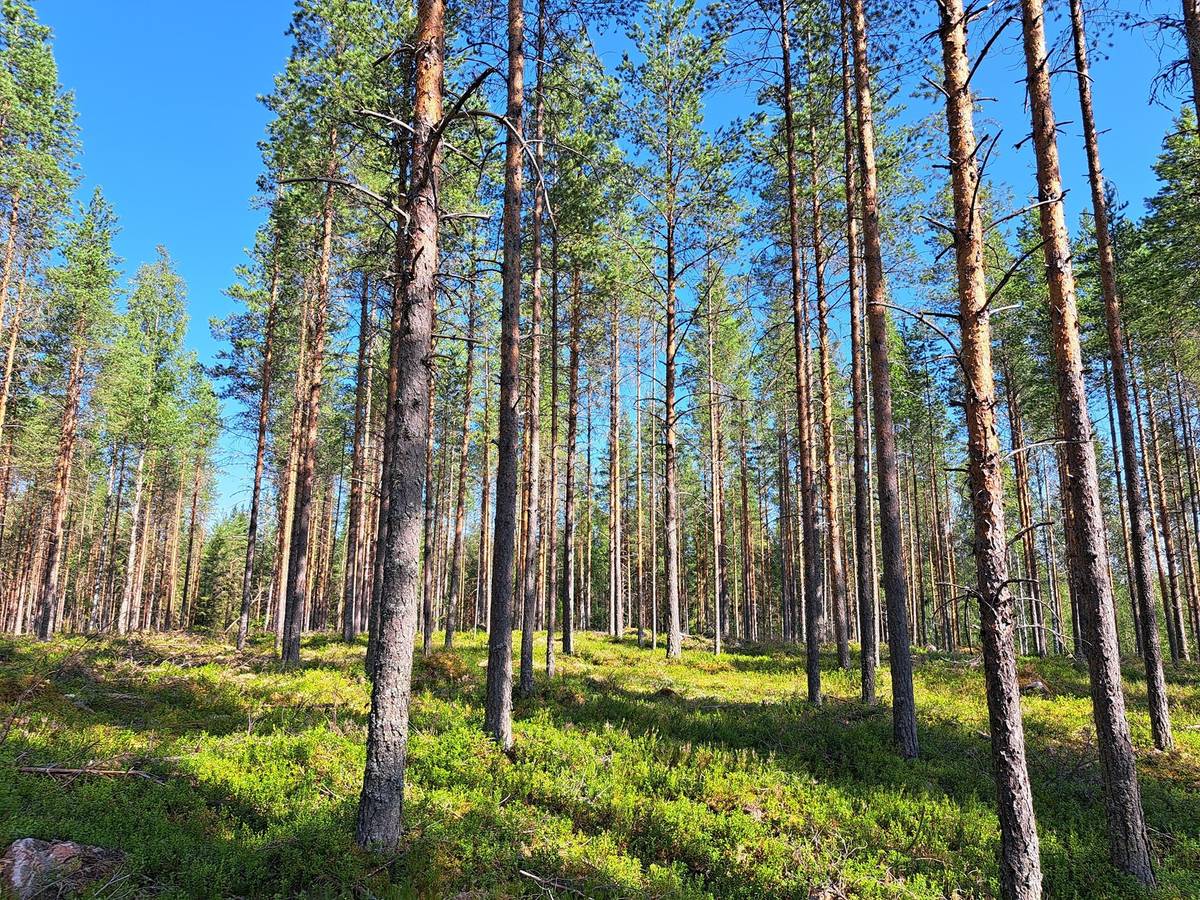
(185, 609)
(1129, 845)
(813, 575)
(127, 615)
(837, 572)
(298, 575)
(1141, 585)
(533, 410)
(48, 593)
(264, 417)
(677, 618)
(483, 588)
(552, 505)
(460, 505)
(428, 536)
(716, 478)
(355, 535)
(1172, 600)
(568, 586)
(904, 714)
(381, 803)
(498, 710)
(1025, 509)
(1020, 863)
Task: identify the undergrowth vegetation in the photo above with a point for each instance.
(631, 776)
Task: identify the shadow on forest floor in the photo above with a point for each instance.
(631, 776)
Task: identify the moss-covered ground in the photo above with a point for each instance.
(631, 776)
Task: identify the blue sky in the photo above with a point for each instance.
(166, 94)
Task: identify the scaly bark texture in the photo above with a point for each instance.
(381, 803)
(498, 709)
(1129, 845)
(895, 581)
(1143, 586)
(1020, 863)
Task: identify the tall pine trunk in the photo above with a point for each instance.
(895, 582)
(1020, 863)
(298, 579)
(498, 708)
(381, 804)
(48, 592)
(260, 452)
(1129, 845)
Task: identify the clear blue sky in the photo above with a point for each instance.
(166, 94)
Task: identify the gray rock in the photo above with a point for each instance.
(35, 868)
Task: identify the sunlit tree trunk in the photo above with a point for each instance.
(260, 452)
(381, 804)
(298, 579)
(1020, 863)
(1129, 845)
(48, 602)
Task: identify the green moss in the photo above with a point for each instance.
(631, 775)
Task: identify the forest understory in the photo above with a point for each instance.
(630, 775)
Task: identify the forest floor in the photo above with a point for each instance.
(631, 776)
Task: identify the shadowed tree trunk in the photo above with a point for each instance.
(498, 710)
(1020, 863)
(533, 409)
(813, 574)
(353, 583)
(381, 803)
(837, 571)
(1129, 845)
(895, 582)
(460, 505)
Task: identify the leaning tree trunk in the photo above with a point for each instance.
(1020, 863)
(498, 709)
(48, 593)
(895, 582)
(1129, 845)
(381, 803)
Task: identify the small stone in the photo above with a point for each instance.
(1036, 687)
(35, 868)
